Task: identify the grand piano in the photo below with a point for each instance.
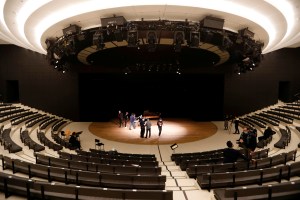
(151, 115)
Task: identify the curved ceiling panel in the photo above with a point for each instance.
(27, 23)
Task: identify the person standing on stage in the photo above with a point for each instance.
(126, 117)
(226, 122)
(159, 125)
(142, 125)
(148, 128)
(132, 121)
(120, 117)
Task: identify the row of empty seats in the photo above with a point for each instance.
(8, 143)
(287, 111)
(285, 138)
(33, 189)
(28, 141)
(112, 166)
(116, 155)
(47, 142)
(12, 113)
(121, 160)
(284, 191)
(190, 160)
(81, 177)
(248, 177)
(283, 158)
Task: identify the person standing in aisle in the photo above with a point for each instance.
(236, 126)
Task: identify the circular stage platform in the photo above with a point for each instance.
(173, 131)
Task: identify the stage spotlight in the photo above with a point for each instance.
(174, 146)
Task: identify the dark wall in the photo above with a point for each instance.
(196, 96)
(260, 88)
(40, 86)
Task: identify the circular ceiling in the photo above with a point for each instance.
(28, 23)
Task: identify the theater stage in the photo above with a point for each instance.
(173, 131)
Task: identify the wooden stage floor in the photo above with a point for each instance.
(173, 131)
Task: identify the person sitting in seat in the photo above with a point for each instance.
(267, 133)
(231, 155)
(74, 141)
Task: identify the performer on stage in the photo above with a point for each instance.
(159, 125)
(142, 125)
(132, 121)
(120, 117)
(126, 117)
(226, 118)
(148, 127)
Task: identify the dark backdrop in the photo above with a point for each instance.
(196, 96)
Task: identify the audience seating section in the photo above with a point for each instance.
(88, 178)
(284, 139)
(102, 165)
(8, 143)
(215, 157)
(32, 189)
(253, 176)
(26, 139)
(286, 190)
(12, 114)
(47, 142)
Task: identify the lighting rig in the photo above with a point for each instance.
(243, 49)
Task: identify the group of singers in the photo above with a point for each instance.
(144, 123)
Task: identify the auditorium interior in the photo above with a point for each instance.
(68, 67)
